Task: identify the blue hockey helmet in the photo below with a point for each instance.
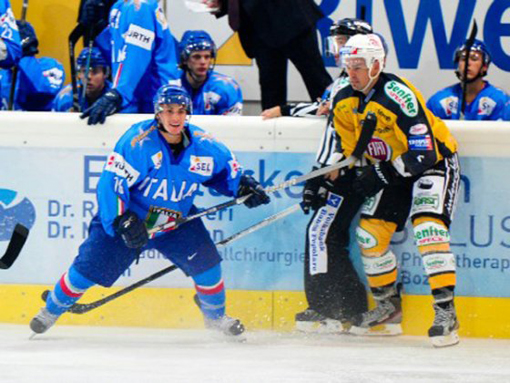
(29, 42)
(195, 41)
(96, 58)
(478, 46)
(172, 94)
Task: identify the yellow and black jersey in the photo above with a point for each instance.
(406, 133)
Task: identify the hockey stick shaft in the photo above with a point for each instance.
(469, 45)
(18, 238)
(85, 79)
(79, 308)
(240, 200)
(73, 39)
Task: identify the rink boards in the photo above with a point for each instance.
(51, 163)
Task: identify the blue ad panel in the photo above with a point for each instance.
(56, 199)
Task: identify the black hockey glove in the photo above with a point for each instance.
(250, 185)
(108, 104)
(372, 179)
(315, 193)
(132, 230)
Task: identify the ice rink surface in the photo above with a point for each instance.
(134, 355)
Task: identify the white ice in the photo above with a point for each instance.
(128, 355)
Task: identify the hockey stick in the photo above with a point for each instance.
(18, 238)
(469, 45)
(82, 308)
(240, 200)
(14, 79)
(75, 35)
(368, 127)
(85, 79)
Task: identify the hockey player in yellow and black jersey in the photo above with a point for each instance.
(414, 172)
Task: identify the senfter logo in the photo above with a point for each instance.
(403, 96)
(365, 239)
(430, 233)
(14, 208)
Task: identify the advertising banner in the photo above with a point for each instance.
(53, 193)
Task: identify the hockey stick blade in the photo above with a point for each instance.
(16, 243)
(82, 308)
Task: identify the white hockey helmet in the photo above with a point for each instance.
(368, 47)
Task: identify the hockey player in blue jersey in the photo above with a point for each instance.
(212, 93)
(152, 178)
(97, 82)
(484, 101)
(39, 78)
(10, 45)
(143, 57)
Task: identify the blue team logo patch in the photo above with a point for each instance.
(423, 142)
(14, 208)
(334, 200)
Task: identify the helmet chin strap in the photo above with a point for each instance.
(195, 77)
(372, 78)
(480, 74)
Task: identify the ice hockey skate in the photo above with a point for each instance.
(228, 326)
(443, 332)
(42, 321)
(384, 320)
(310, 322)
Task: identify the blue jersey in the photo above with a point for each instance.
(39, 81)
(489, 104)
(64, 100)
(142, 51)
(143, 175)
(10, 48)
(218, 95)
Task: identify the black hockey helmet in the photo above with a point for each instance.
(350, 27)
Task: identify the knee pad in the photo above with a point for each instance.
(380, 270)
(433, 240)
(380, 263)
(374, 236)
(431, 235)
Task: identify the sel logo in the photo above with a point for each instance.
(14, 209)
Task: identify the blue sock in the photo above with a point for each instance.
(211, 292)
(67, 291)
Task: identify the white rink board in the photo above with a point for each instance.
(50, 160)
(286, 134)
